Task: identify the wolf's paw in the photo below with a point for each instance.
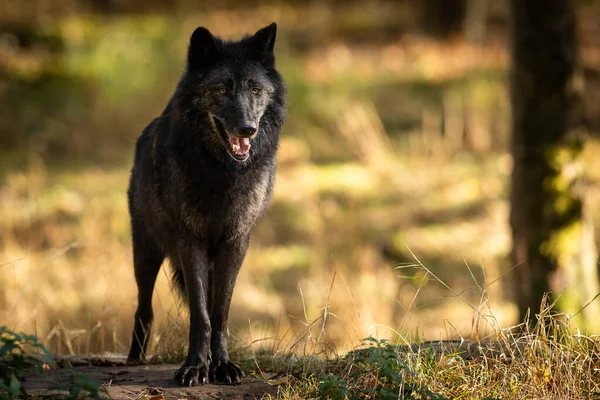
(225, 372)
(192, 375)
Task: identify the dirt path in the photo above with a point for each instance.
(144, 382)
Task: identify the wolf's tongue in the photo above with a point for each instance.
(240, 146)
(244, 145)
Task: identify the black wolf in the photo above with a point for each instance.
(203, 174)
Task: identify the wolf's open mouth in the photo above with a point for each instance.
(238, 147)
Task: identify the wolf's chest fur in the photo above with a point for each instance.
(222, 208)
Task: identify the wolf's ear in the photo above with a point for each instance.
(204, 50)
(263, 43)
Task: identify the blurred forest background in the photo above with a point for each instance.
(396, 153)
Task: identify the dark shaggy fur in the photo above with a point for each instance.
(203, 175)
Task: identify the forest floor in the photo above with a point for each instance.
(547, 361)
(152, 381)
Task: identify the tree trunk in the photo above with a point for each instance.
(476, 21)
(552, 241)
(442, 18)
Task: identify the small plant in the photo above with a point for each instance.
(375, 372)
(331, 387)
(14, 360)
(20, 352)
(81, 383)
(389, 376)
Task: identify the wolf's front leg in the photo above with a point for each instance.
(194, 263)
(228, 261)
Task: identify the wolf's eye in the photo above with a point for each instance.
(255, 90)
(223, 90)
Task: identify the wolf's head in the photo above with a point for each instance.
(233, 89)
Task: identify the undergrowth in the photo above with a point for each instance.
(20, 353)
(545, 357)
(541, 359)
(14, 361)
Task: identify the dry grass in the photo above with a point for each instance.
(543, 358)
(67, 258)
(548, 361)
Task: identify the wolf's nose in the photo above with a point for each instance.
(248, 129)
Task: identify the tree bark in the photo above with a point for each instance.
(552, 240)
